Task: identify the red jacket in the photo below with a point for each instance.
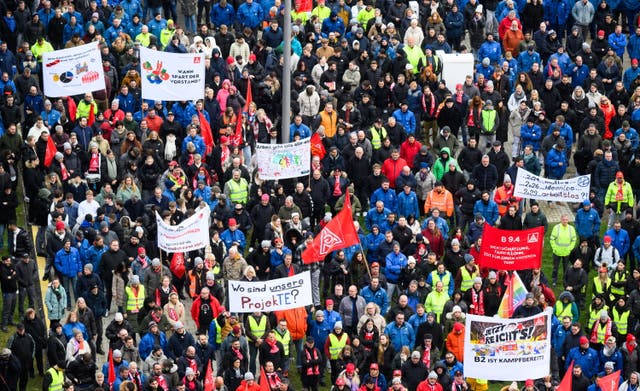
(392, 169)
(195, 308)
(254, 386)
(409, 150)
(425, 386)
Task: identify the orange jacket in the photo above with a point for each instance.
(443, 201)
(455, 344)
(330, 122)
(511, 40)
(296, 321)
(503, 194)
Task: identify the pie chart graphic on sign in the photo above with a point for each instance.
(66, 77)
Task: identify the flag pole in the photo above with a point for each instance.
(366, 263)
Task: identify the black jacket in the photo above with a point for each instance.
(56, 348)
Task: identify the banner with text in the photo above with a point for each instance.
(507, 349)
(73, 71)
(542, 189)
(281, 161)
(191, 234)
(273, 295)
(511, 250)
(171, 76)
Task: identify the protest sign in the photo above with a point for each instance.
(542, 189)
(73, 71)
(511, 250)
(272, 295)
(281, 161)
(171, 76)
(191, 234)
(507, 349)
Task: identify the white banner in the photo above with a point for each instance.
(281, 161)
(273, 295)
(507, 349)
(73, 71)
(542, 189)
(191, 234)
(171, 76)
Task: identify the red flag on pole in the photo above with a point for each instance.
(71, 104)
(92, 116)
(209, 381)
(50, 152)
(249, 97)
(609, 382)
(112, 369)
(264, 383)
(338, 233)
(205, 132)
(567, 379)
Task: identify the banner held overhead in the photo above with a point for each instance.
(511, 250)
(507, 349)
(171, 76)
(273, 295)
(192, 234)
(281, 161)
(542, 189)
(73, 71)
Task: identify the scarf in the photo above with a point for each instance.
(162, 383)
(432, 104)
(594, 332)
(459, 96)
(477, 299)
(193, 364)
(630, 347)
(237, 353)
(173, 315)
(112, 168)
(224, 154)
(274, 346)
(314, 370)
(143, 262)
(620, 192)
(519, 96)
(337, 192)
(64, 171)
(273, 379)
(94, 163)
(11, 23)
(456, 385)
(426, 357)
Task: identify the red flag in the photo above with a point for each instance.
(205, 132)
(567, 379)
(209, 380)
(71, 104)
(50, 153)
(92, 116)
(264, 384)
(249, 97)
(338, 233)
(112, 369)
(609, 382)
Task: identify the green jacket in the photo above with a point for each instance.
(627, 197)
(441, 166)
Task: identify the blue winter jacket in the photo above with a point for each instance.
(618, 42)
(333, 26)
(554, 158)
(631, 134)
(278, 259)
(631, 73)
(489, 211)
(388, 197)
(319, 331)
(557, 11)
(220, 16)
(620, 240)
(183, 113)
(531, 135)
(408, 204)
(147, 343)
(371, 242)
(406, 119)
(250, 15)
(586, 358)
(228, 237)
(197, 141)
(454, 22)
(557, 339)
(68, 263)
(127, 103)
(375, 217)
(400, 336)
(394, 264)
(587, 223)
(526, 60)
(492, 50)
(379, 297)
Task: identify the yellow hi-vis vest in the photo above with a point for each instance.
(594, 315)
(467, 279)
(258, 328)
(285, 340)
(239, 191)
(336, 345)
(134, 303)
(562, 310)
(621, 321)
(57, 379)
(617, 277)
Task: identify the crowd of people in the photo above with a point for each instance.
(555, 90)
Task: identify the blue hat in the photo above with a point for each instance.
(424, 165)
(468, 258)
(586, 203)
